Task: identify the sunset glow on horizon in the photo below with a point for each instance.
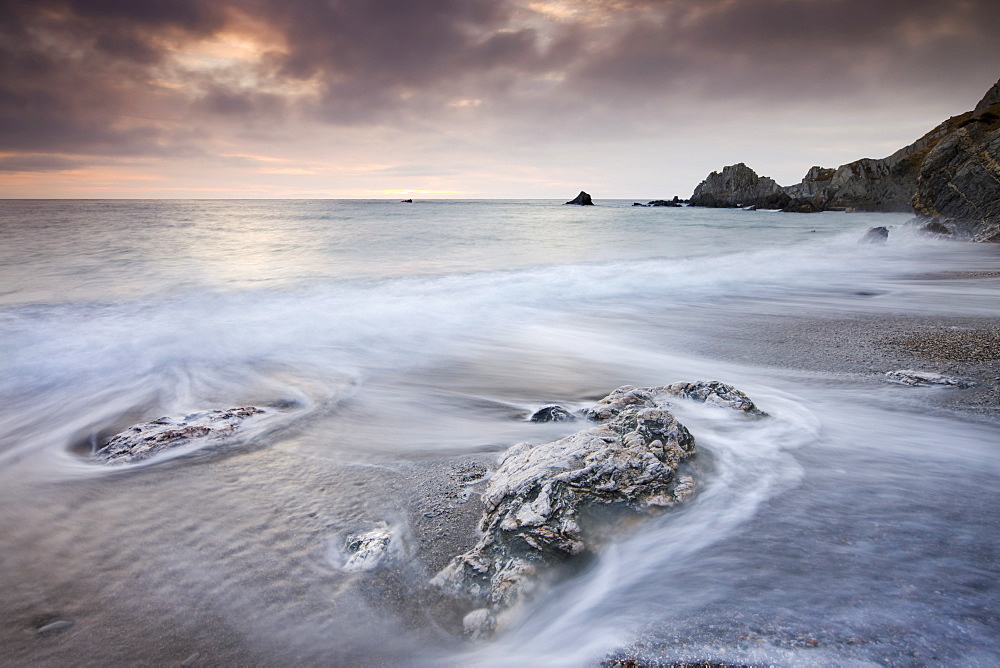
(470, 99)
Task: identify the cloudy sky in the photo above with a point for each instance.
(469, 98)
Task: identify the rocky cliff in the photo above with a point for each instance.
(951, 174)
(959, 179)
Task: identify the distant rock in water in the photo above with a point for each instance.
(936, 228)
(801, 206)
(406, 201)
(583, 199)
(875, 235)
(145, 440)
(738, 186)
(631, 460)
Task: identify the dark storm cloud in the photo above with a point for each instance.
(80, 76)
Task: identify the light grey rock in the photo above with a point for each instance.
(715, 393)
(479, 624)
(552, 414)
(369, 550)
(925, 378)
(630, 459)
(143, 441)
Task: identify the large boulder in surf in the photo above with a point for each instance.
(142, 441)
(583, 199)
(539, 503)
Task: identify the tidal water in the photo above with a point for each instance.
(856, 527)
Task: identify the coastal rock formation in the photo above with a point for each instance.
(951, 174)
(959, 180)
(540, 502)
(739, 186)
(583, 199)
(143, 441)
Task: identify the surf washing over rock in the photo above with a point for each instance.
(540, 502)
(950, 177)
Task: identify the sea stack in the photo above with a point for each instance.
(583, 199)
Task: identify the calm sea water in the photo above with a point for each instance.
(854, 528)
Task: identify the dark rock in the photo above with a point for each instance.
(936, 228)
(801, 206)
(875, 235)
(638, 204)
(959, 179)
(407, 201)
(552, 414)
(663, 202)
(583, 199)
(736, 186)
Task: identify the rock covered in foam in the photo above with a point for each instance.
(369, 550)
(552, 414)
(142, 441)
(715, 393)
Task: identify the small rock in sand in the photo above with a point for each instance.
(925, 378)
(54, 626)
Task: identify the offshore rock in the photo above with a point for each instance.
(801, 206)
(145, 440)
(583, 199)
(552, 414)
(536, 502)
(925, 378)
(739, 186)
(875, 235)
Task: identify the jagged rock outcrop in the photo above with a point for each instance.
(739, 186)
(583, 199)
(537, 502)
(959, 179)
(951, 174)
(146, 440)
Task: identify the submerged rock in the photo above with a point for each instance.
(875, 235)
(582, 199)
(535, 500)
(552, 414)
(925, 378)
(145, 440)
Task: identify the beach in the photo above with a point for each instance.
(846, 528)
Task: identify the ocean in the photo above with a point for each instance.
(855, 527)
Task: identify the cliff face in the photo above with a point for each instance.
(952, 173)
(959, 179)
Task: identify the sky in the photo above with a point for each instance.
(469, 98)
